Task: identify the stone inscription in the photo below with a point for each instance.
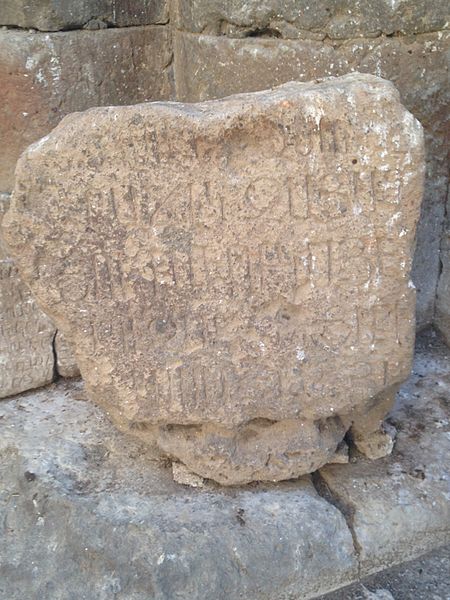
(26, 335)
(236, 260)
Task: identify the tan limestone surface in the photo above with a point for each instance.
(29, 341)
(233, 275)
(26, 333)
(209, 66)
(65, 360)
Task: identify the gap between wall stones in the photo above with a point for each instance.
(84, 27)
(346, 510)
(445, 224)
(55, 358)
(243, 33)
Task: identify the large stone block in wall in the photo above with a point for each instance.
(54, 15)
(45, 76)
(335, 19)
(213, 67)
(29, 342)
(234, 276)
(26, 333)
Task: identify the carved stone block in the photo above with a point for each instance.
(233, 275)
(26, 333)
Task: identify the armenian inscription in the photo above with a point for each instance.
(26, 333)
(233, 275)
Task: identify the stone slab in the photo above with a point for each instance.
(46, 76)
(234, 273)
(87, 511)
(335, 19)
(55, 15)
(399, 507)
(26, 333)
(86, 514)
(442, 317)
(213, 67)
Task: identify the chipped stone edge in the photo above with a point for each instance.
(5, 198)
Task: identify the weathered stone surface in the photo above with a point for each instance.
(398, 507)
(423, 578)
(45, 76)
(26, 333)
(443, 291)
(53, 15)
(181, 474)
(235, 273)
(28, 337)
(336, 19)
(86, 514)
(212, 67)
(65, 360)
(139, 12)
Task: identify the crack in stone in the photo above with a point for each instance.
(55, 358)
(80, 27)
(243, 32)
(442, 235)
(347, 510)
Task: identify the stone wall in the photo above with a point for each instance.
(61, 57)
(62, 64)
(29, 341)
(26, 332)
(226, 47)
(44, 76)
(48, 15)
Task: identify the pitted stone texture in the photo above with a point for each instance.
(231, 271)
(28, 338)
(209, 67)
(259, 451)
(65, 360)
(86, 513)
(53, 15)
(43, 77)
(75, 493)
(399, 506)
(26, 333)
(336, 19)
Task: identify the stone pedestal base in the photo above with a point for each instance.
(87, 512)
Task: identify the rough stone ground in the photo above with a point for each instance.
(399, 507)
(85, 513)
(427, 578)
